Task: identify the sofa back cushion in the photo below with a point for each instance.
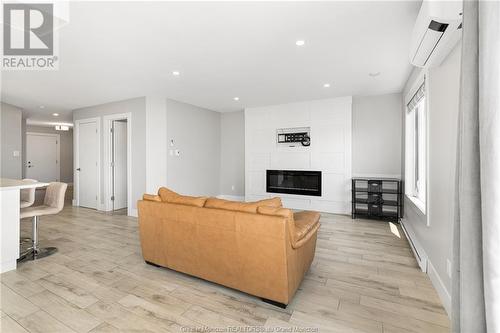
(189, 201)
(170, 196)
(247, 207)
(275, 211)
(272, 202)
(166, 195)
(151, 197)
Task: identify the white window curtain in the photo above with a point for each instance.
(476, 241)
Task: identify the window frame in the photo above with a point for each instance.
(416, 147)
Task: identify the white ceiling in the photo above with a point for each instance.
(117, 50)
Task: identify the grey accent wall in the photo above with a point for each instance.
(66, 149)
(436, 238)
(232, 161)
(11, 141)
(137, 107)
(196, 134)
(377, 135)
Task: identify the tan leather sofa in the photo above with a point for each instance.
(259, 248)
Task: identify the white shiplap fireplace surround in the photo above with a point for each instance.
(329, 152)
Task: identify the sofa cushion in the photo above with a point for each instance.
(166, 195)
(275, 211)
(247, 207)
(187, 200)
(151, 197)
(272, 202)
(231, 205)
(304, 222)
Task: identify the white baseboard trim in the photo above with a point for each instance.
(8, 266)
(231, 197)
(438, 284)
(427, 267)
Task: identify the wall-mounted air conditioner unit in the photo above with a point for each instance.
(437, 30)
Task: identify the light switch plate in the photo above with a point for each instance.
(15, 153)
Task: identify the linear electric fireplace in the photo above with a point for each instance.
(294, 182)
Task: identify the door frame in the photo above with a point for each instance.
(58, 137)
(76, 159)
(108, 150)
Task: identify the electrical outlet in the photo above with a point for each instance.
(232, 187)
(448, 267)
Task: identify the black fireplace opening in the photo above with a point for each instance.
(294, 182)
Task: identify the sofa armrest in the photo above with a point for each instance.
(151, 197)
(299, 243)
(304, 226)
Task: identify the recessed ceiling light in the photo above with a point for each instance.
(55, 114)
(176, 73)
(373, 74)
(300, 43)
(236, 98)
(42, 106)
(326, 85)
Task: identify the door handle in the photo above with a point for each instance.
(78, 169)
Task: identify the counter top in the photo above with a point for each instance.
(10, 184)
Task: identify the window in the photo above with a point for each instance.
(416, 149)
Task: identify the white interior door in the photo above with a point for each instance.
(119, 164)
(88, 164)
(42, 157)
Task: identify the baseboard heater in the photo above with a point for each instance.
(422, 261)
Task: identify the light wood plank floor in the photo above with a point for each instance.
(363, 279)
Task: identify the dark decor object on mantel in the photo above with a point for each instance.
(293, 182)
(377, 198)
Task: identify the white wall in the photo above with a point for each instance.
(376, 135)
(156, 143)
(232, 165)
(330, 151)
(137, 107)
(434, 241)
(196, 134)
(10, 141)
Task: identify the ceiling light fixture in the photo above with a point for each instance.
(300, 43)
(176, 73)
(42, 106)
(55, 114)
(236, 98)
(373, 74)
(326, 85)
